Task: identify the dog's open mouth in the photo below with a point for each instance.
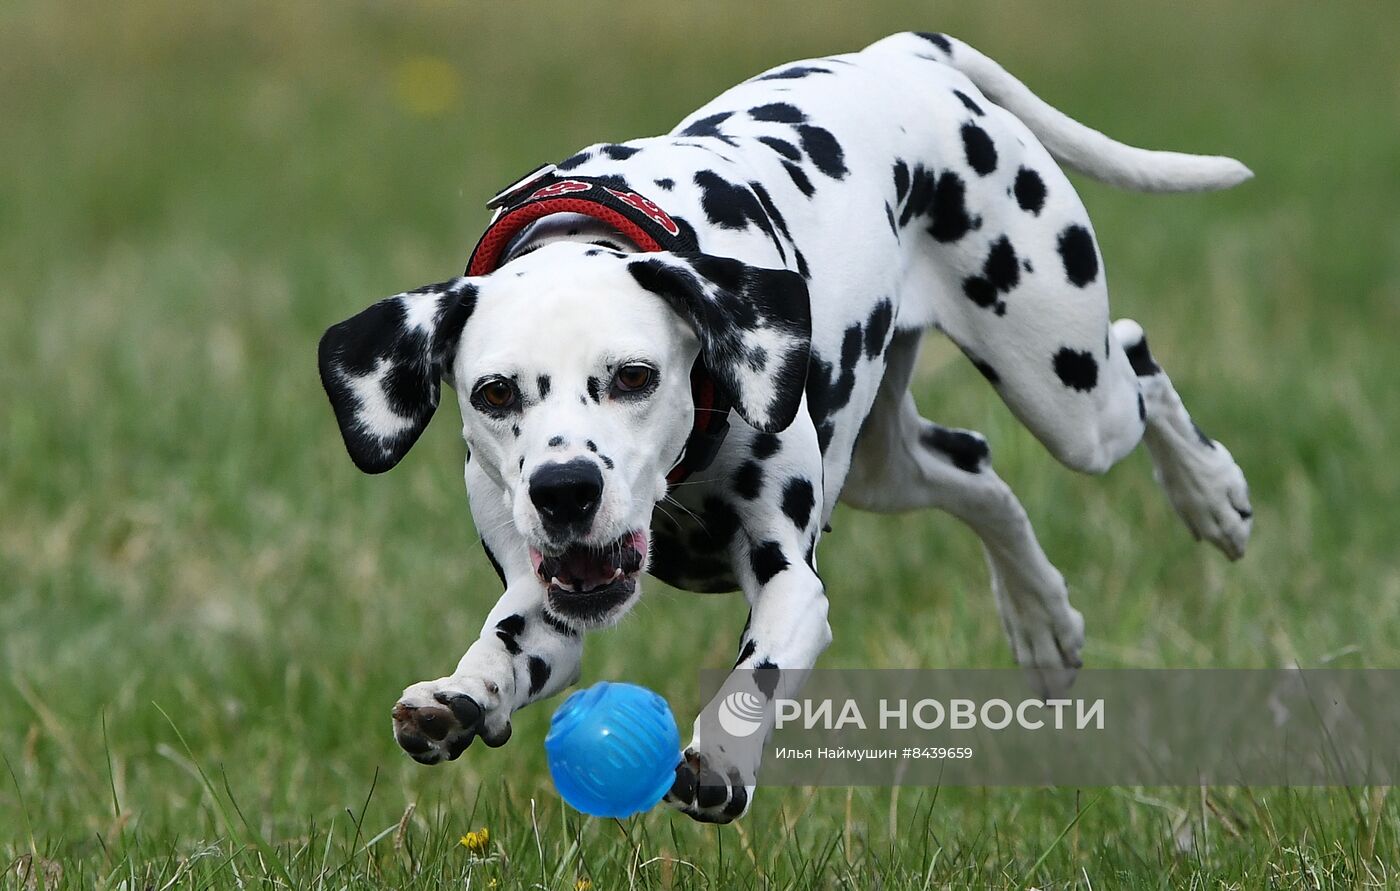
(587, 583)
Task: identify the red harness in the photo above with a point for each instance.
(543, 192)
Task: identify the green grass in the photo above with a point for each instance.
(206, 612)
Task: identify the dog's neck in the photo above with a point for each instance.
(565, 227)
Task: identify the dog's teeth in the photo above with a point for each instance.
(617, 574)
(560, 585)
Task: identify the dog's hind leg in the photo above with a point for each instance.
(903, 462)
(1201, 479)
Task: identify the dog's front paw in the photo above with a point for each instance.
(1209, 492)
(708, 790)
(1046, 633)
(435, 721)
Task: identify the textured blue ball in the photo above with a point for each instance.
(613, 749)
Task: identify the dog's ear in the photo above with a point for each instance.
(754, 326)
(382, 369)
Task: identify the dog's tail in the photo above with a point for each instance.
(1086, 149)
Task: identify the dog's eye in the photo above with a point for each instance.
(496, 393)
(633, 378)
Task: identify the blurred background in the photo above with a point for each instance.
(206, 612)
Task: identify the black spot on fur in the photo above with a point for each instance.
(967, 102)
(829, 387)
(515, 430)
(920, 194)
(765, 445)
(1142, 408)
(620, 152)
(967, 451)
(798, 500)
(591, 446)
(539, 674)
(665, 183)
(778, 113)
(767, 560)
(937, 40)
(1077, 369)
(1000, 273)
(1030, 190)
(1205, 440)
(543, 383)
(555, 442)
(1141, 359)
(782, 147)
(802, 268)
(799, 178)
(1001, 268)
(732, 206)
(595, 388)
(727, 205)
(491, 558)
(794, 73)
(824, 150)
(709, 126)
(901, 181)
(876, 327)
(749, 646)
(573, 161)
(508, 629)
(981, 153)
(748, 480)
(776, 217)
(607, 462)
(950, 219)
(889, 218)
(1077, 252)
(766, 677)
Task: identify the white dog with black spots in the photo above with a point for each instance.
(842, 207)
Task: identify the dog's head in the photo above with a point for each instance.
(572, 369)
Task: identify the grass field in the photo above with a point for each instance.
(206, 612)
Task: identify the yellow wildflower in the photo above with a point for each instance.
(476, 842)
(584, 884)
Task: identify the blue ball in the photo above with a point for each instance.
(613, 749)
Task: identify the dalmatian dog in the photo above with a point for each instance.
(826, 214)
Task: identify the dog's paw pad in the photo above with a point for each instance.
(433, 722)
(708, 792)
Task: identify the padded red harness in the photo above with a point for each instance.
(543, 192)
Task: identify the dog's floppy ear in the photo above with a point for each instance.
(382, 369)
(754, 326)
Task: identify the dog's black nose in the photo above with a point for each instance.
(567, 494)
